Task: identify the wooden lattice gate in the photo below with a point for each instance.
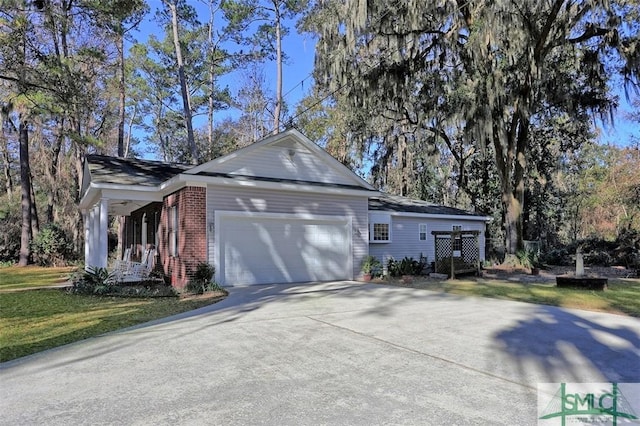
(457, 252)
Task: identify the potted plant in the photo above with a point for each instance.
(369, 267)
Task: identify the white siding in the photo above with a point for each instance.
(270, 201)
(276, 161)
(406, 237)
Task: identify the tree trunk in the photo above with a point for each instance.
(35, 221)
(52, 171)
(186, 101)
(8, 180)
(121, 93)
(127, 141)
(212, 78)
(25, 185)
(278, 108)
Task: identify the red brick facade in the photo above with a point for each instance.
(190, 235)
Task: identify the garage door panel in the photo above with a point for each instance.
(272, 250)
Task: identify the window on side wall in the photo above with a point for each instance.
(173, 231)
(380, 232)
(379, 228)
(422, 232)
(457, 241)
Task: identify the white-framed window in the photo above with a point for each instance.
(422, 232)
(173, 231)
(380, 232)
(457, 240)
(379, 228)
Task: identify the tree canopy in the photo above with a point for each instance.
(480, 105)
(477, 76)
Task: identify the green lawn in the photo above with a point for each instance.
(15, 278)
(622, 296)
(34, 320)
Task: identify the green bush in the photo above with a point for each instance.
(557, 256)
(52, 246)
(202, 281)
(406, 266)
(527, 258)
(92, 281)
(371, 265)
(99, 282)
(10, 220)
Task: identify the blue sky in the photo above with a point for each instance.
(297, 81)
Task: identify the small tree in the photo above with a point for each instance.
(52, 246)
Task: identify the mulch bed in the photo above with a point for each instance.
(522, 275)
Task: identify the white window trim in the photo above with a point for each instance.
(457, 253)
(372, 233)
(380, 219)
(420, 226)
(173, 231)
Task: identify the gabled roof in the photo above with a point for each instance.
(292, 157)
(129, 171)
(239, 178)
(397, 204)
(287, 162)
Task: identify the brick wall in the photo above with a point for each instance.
(191, 235)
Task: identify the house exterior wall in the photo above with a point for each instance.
(191, 239)
(271, 201)
(405, 239)
(285, 160)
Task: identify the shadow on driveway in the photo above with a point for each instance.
(566, 342)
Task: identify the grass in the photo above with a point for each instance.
(622, 296)
(36, 320)
(16, 278)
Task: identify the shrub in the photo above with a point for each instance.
(202, 281)
(52, 246)
(406, 266)
(528, 258)
(99, 282)
(10, 236)
(558, 256)
(92, 281)
(598, 257)
(371, 265)
(204, 272)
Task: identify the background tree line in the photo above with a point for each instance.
(489, 107)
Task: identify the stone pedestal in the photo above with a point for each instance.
(579, 265)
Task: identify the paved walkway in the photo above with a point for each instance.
(330, 353)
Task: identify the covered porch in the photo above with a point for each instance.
(112, 203)
(119, 187)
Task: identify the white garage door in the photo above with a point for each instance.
(262, 249)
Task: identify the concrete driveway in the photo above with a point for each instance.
(329, 353)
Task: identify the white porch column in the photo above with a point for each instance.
(95, 234)
(103, 233)
(92, 237)
(87, 238)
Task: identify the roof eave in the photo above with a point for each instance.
(435, 215)
(197, 180)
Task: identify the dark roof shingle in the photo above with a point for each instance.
(394, 203)
(129, 171)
